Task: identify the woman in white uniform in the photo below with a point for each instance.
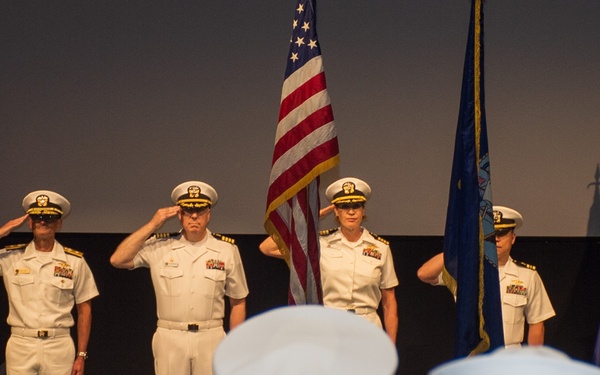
(357, 267)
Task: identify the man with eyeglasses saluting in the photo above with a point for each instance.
(357, 267)
(43, 281)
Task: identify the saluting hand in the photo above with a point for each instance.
(164, 214)
(13, 224)
(325, 211)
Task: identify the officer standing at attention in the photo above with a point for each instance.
(192, 271)
(524, 297)
(357, 266)
(43, 280)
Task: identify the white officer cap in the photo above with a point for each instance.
(46, 202)
(306, 339)
(506, 218)
(194, 194)
(348, 190)
(529, 360)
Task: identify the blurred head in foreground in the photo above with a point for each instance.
(307, 339)
(530, 360)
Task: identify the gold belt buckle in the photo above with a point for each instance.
(42, 334)
(192, 327)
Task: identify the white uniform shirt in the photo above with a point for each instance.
(353, 273)
(191, 279)
(524, 298)
(42, 288)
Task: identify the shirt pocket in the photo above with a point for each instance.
(368, 267)
(513, 309)
(61, 290)
(22, 287)
(215, 283)
(331, 260)
(170, 281)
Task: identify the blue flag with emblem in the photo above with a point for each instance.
(470, 257)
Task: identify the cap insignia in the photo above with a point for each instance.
(42, 200)
(348, 187)
(497, 217)
(194, 191)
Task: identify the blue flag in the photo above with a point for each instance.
(470, 257)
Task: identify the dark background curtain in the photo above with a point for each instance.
(124, 315)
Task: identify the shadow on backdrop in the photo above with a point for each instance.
(593, 229)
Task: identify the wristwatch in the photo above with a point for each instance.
(83, 354)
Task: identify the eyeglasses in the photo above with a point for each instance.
(45, 218)
(187, 211)
(349, 206)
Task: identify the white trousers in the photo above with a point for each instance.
(40, 356)
(185, 352)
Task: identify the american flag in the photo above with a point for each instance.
(305, 146)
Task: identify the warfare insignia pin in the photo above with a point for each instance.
(371, 251)
(63, 270)
(516, 289)
(215, 264)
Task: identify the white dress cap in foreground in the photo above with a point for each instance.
(530, 360)
(303, 340)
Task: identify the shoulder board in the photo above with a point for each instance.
(379, 238)
(165, 235)
(327, 232)
(76, 253)
(16, 247)
(223, 238)
(523, 264)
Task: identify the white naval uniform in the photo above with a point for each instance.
(42, 288)
(524, 298)
(190, 282)
(354, 273)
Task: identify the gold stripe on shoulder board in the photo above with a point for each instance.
(380, 239)
(21, 246)
(165, 235)
(223, 238)
(327, 232)
(523, 264)
(76, 253)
